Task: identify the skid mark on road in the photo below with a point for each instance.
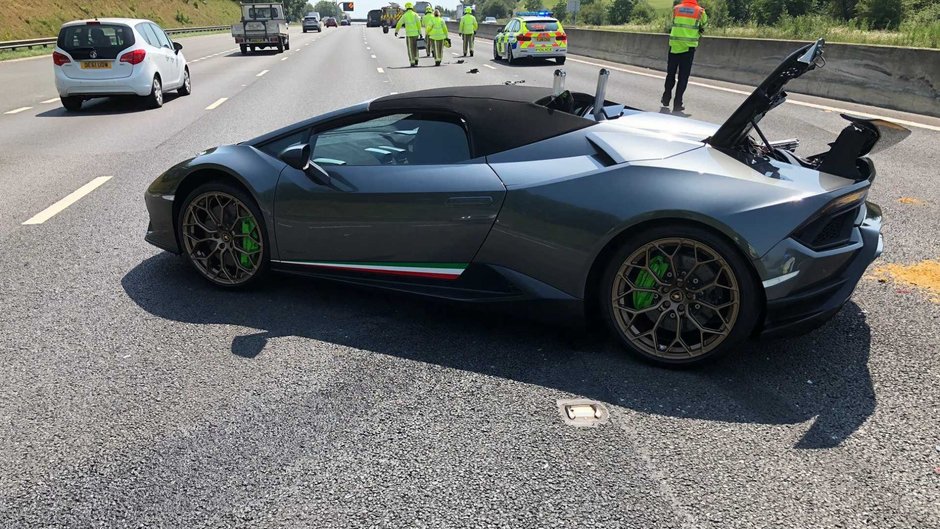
(70, 199)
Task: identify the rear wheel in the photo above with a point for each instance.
(72, 103)
(222, 234)
(679, 295)
(155, 99)
(496, 56)
(253, 49)
(287, 44)
(243, 48)
(280, 46)
(187, 86)
(560, 60)
(509, 58)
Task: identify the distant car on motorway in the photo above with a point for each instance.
(585, 211)
(490, 20)
(330, 22)
(344, 22)
(117, 56)
(311, 23)
(374, 18)
(263, 25)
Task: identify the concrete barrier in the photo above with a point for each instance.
(905, 79)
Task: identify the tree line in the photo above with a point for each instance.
(869, 14)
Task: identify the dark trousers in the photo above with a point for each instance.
(681, 63)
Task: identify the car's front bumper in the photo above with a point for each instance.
(160, 231)
(810, 287)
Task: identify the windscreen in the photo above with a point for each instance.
(104, 41)
(542, 25)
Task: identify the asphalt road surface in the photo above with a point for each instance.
(134, 394)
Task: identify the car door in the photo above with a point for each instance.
(404, 194)
(169, 69)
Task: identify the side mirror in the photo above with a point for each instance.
(298, 157)
(177, 46)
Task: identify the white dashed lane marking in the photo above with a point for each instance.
(18, 110)
(70, 199)
(218, 102)
(53, 100)
(262, 73)
(490, 67)
(380, 70)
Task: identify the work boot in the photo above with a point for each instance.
(471, 53)
(437, 63)
(665, 100)
(678, 107)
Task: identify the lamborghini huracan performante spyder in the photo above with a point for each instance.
(686, 237)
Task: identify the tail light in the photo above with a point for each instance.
(562, 37)
(60, 58)
(134, 57)
(523, 38)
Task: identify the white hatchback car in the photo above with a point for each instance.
(117, 56)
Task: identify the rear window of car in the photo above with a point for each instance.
(96, 36)
(542, 25)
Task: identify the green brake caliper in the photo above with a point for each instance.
(248, 244)
(659, 265)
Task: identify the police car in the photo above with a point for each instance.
(531, 35)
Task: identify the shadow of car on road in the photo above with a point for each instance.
(822, 375)
(103, 106)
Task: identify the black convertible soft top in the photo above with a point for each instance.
(499, 117)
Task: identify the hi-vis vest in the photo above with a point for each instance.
(437, 28)
(468, 24)
(687, 19)
(412, 24)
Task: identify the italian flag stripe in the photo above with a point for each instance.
(431, 270)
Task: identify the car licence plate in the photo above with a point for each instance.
(543, 38)
(96, 65)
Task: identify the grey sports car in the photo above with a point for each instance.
(686, 237)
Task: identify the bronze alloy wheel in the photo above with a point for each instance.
(675, 299)
(222, 238)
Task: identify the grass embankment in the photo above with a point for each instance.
(810, 28)
(30, 19)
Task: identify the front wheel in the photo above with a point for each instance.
(187, 87)
(679, 295)
(280, 46)
(222, 234)
(155, 99)
(287, 44)
(496, 56)
(509, 58)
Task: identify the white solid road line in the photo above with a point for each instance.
(789, 100)
(380, 70)
(18, 110)
(72, 198)
(215, 105)
(373, 56)
(262, 73)
(53, 100)
(490, 67)
(285, 58)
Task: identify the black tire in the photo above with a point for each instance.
(243, 48)
(287, 44)
(253, 49)
(187, 87)
(155, 99)
(305, 30)
(191, 252)
(319, 30)
(496, 56)
(280, 46)
(509, 57)
(384, 29)
(72, 103)
(675, 296)
(560, 60)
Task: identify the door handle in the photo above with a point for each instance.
(469, 201)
